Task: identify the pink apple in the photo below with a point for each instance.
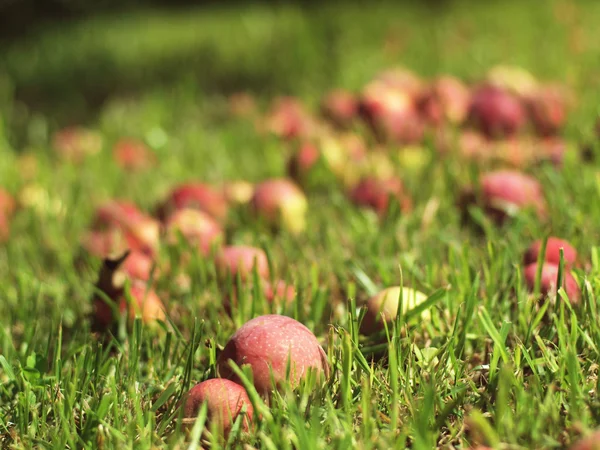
(198, 196)
(225, 401)
(281, 203)
(505, 192)
(288, 119)
(591, 442)
(377, 194)
(242, 260)
(548, 110)
(446, 100)
(496, 112)
(238, 192)
(268, 344)
(303, 161)
(340, 107)
(199, 229)
(552, 254)
(131, 154)
(548, 281)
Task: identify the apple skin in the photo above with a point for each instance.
(197, 196)
(513, 79)
(386, 303)
(198, 229)
(140, 231)
(238, 192)
(547, 110)
(241, 259)
(281, 203)
(269, 342)
(552, 252)
(7, 209)
(496, 112)
(446, 100)
(548, 281)
(225, 400)
(303, 161)
(132, 154)
(504, 192)
(288, 119)
(377, 193)
(76, 143)
(592, 442)
(340, 107)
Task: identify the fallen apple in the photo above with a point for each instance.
(548, 280)
(241, 260)
(496, 112)
(268, 344)
(197, 196)
(197, 228)
(378, 194)
(383, 307)
(238, 192)
(340, 107)
(447, 99)
(225, 401)
(281, 203)
(76, 143)
(552, 254)
(132, 154)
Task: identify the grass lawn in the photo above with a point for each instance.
(490, 366)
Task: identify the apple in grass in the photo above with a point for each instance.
(377, 194)
(552, 254)
(288, 119)
(197, 228)
(548, 281)
(76, 143)
(505, 192)
(591, 442)
(383, 307)
(447, 99)
(496, 112)
(269, 345)
(197, 196)
(225, 401)
(281, 203)
(133, 154)
(238, 192)
(242, 260)
(547, 108)
(278, 294)
(7, 209)
(340, 107)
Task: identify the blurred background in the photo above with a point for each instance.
(62, 61)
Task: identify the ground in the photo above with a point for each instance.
(501, 372)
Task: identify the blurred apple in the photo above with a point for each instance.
(288, 119)
(132, 154)
(238, 192)
(75, 143)
(447, 99)
(197, 196)
(340, 107)
(281, 203)
(514, 79)
(197, 228)
(496, 112)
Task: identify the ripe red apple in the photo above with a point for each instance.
(496, 112)
(288, 119)
(197, 196)
(505, 192)
(377, 194)
(7, 209)
(267, 344)
(548, 281)
(137, 266)
(446, 100)
(241, 259)
(386, 303)
(281, 203)
(75, 143)
(303, 161)
(225, 401)
(238, 192)
(548, 109)
(132, 154)
(591, 442)
(140, 231)
(552, 254)
(198, 229)
(340, 107)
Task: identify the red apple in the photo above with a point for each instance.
(591, 442)
(131, 154)
(505, 192)
(446, 100)
(377, 194)
(383, 307)
(268, 344)
(197, 196)
(242, 259)
(225, 401)
(303, 161)
(496, 112)
(548, 110)
(281, 203)
(288, 119)
(548, 281)
(340, 107)
(75, 143)
(198, 229)
(7, 209)
(552, 255)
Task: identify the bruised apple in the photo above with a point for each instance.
(225, 401)
(131, 154)
(591, 442)
(496, 112)
(268, 344)
(198, 229)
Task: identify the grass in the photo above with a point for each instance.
(489, 366)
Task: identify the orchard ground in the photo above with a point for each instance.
(489, 367)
